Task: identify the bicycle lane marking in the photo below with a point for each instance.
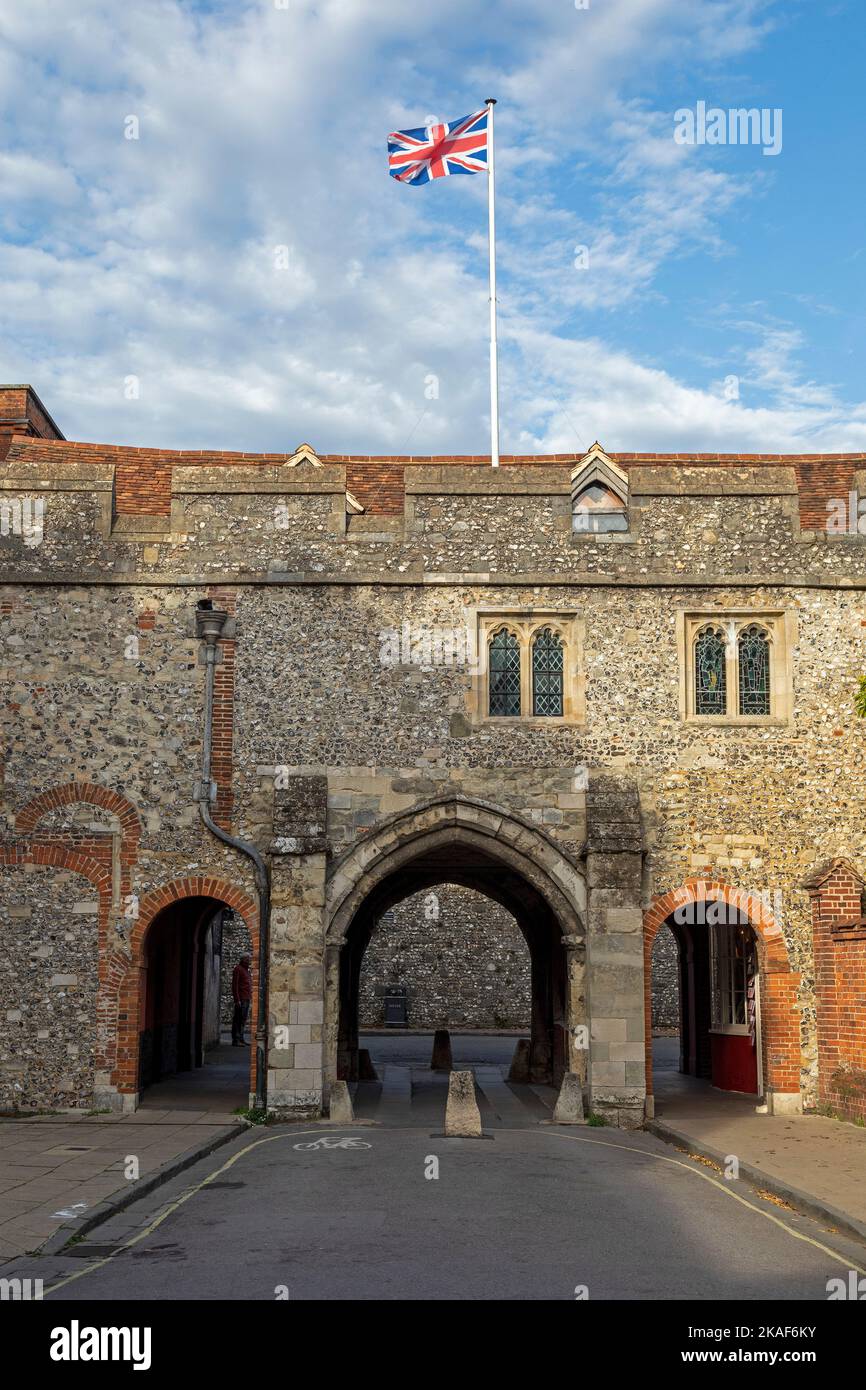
(173, 1207)
(549, 1133)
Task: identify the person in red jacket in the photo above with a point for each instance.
(242, 993)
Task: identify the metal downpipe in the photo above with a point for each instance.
(209, 625)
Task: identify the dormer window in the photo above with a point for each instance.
(599, 495)
(598, 508)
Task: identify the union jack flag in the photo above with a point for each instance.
(435, 151)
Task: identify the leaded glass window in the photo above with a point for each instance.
(547, 673)
(754, 670)
(504, 673)
(711, 695)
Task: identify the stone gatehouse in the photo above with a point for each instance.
(609, 692)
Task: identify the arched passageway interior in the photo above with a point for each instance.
(451, 958)
(717, 981)
(431, 874)
(189, 952)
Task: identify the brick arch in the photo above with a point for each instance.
(70, 793)
(123, 969)
(202, 886)
(780, 1021)
(30, 814)
(56, 856)
(59, 857)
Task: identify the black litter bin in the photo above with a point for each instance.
(396, 1008)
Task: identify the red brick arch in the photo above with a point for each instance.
(29, 815)
(59, 857)
(123, 971)
(28, 818)
(780, 1019)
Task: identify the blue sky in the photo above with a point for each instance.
(264, 127)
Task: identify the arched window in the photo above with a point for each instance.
(710, 675)
(753, 651)
(547, 673)
(504, 673)
(598, 508)
(736, 667)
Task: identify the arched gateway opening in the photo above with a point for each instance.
(475, 846)
(184, 946)
(736, 995)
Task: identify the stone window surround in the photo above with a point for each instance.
(568, 625)
(780, 626)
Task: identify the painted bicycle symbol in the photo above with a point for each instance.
(327, 1142)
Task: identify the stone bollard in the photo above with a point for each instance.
(462, 1116)
(441, 1059)
(569, 1104)
(520, 1061)
(340, 1110)
(366, 1070)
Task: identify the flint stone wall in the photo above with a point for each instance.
(48, 973)
(665, 983)
(461, 957)
(102, 681)
(236, 943)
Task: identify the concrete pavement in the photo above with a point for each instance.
(817, 1163)
(60, 1173)
(374, 1213)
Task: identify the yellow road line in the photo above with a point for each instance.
(552, 1133)
(173, 1206)
(699, 1173)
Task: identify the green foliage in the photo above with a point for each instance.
(254, 1116)
(597, 1121)
(860, 698)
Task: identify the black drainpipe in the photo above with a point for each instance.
(209, 624)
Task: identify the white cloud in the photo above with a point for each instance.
(262, 128)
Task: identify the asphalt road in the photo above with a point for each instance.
(526, 1213)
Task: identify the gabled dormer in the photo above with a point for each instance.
(305, 453)
(599, 494)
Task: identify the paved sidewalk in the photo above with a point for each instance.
(56, 1171)
(817, 1164)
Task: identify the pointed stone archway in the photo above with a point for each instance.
(477, 845)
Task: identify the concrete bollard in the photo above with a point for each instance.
(520, 1061)
(340, 1109)
(462, 1116)
(441, 1059)
(569, 1104)
(366, 1070)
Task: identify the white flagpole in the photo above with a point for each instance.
(491, 237)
